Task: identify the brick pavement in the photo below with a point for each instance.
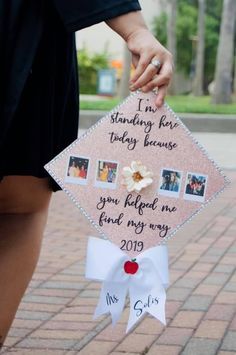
(55, 315)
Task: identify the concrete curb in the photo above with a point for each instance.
(194, 121)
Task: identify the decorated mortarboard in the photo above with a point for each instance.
(138, 175)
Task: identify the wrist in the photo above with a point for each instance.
(138, 32)
(128, 24)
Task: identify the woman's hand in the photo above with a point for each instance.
(144, 48)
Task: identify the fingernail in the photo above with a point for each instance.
(159, 103)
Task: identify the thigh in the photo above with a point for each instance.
(24, 194)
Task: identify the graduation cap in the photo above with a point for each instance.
(136, 191)
(139, 132)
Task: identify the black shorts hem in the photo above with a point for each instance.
(51, 182)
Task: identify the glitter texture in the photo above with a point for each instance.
(188, 157)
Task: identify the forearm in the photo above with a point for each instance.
(127, 24)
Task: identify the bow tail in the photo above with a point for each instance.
(112, 300)
(158, 311)
(148, 301)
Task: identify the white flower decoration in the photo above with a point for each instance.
(136, 177)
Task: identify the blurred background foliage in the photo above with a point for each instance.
(89, 65)
(201, 35)
(186, 30)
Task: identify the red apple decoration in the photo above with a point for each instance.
(131, 267)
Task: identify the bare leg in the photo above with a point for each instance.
(23, 213)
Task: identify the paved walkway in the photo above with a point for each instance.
(220, 146)
(55, 316)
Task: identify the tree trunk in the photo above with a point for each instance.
(124, 81)
(171, 39)
(199, 73)
(225, 55)
(235, 75)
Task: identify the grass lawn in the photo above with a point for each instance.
(177, 103)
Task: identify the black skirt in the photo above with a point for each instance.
(46, 118)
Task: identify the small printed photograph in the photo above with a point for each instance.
(106, 174)
(170, 182)
(195, 187)
(77, 170)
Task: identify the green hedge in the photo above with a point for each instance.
(89, 65)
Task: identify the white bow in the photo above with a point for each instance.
(105, 262)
